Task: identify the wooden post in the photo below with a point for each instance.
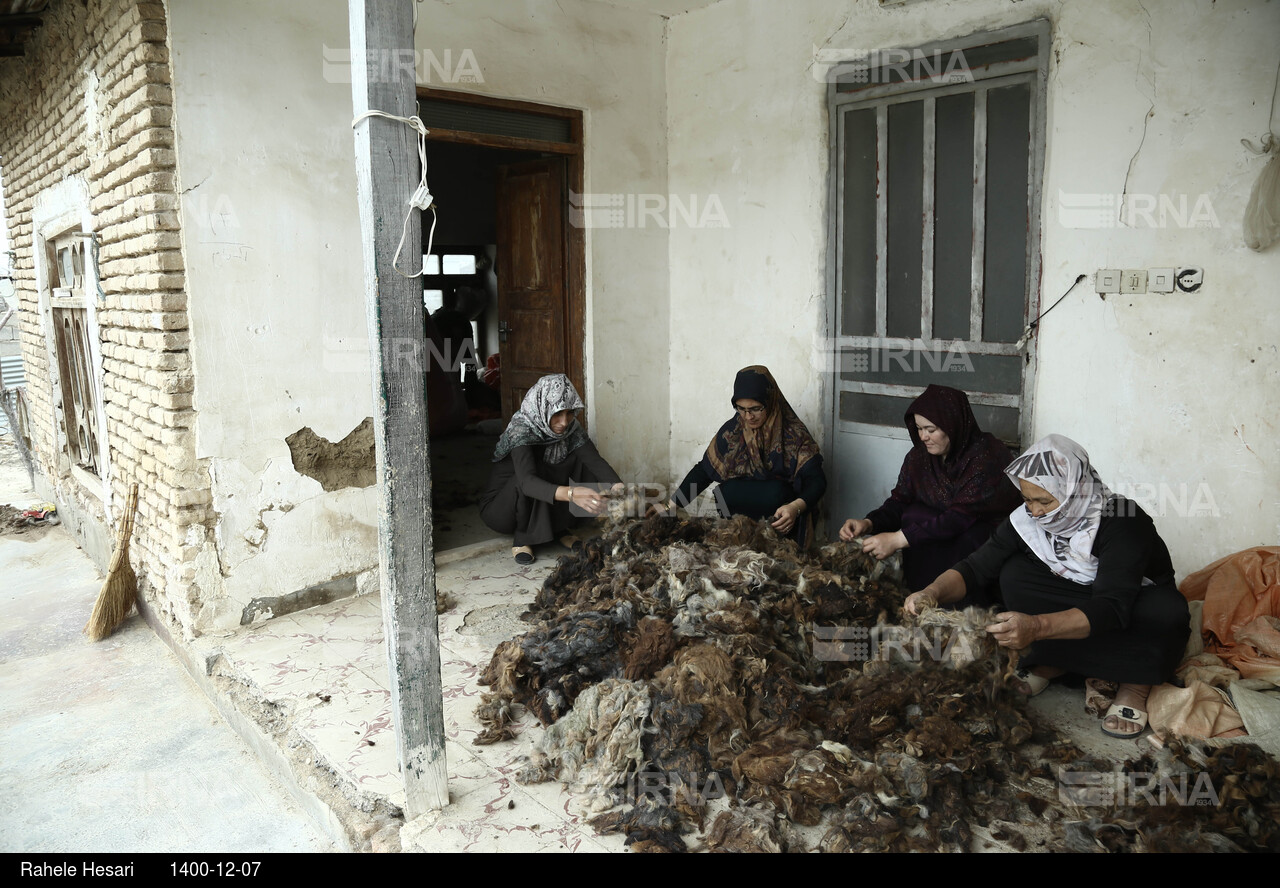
(386, 176)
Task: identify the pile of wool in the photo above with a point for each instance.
(703, 675)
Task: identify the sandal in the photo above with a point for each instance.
(522, 554)
(569, 541)
(1129, 714)
(1036, 683)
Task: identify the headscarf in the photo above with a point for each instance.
(532, 425)
(970, 477)
(1062, 539)
(778, 449)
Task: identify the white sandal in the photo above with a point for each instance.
(1129, 714)
(1036, 683)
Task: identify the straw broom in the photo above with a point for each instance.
(120, 588)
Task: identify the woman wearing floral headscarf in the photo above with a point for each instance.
(764, 459)
(1087, 581)
(545, 464)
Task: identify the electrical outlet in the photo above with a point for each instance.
(1107, 280)
(1190, 279)
(1133, 280)
(1161, 280)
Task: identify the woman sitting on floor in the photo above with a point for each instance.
(951, 493)
(1087, 581)
(543, 465)
(764, 459)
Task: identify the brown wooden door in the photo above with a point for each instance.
(532, 280)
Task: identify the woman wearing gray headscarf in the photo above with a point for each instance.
(546, 471)
(1086, 580)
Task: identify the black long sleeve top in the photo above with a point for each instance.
(1128, 550)
(538, 479)
(810, 483)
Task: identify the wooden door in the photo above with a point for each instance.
(532, 282)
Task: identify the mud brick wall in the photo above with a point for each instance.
(91, 99)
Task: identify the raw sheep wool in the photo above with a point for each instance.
(705, 685)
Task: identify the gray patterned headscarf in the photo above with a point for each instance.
(532, 425)
(1062, 539)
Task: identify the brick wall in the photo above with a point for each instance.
(110, 56)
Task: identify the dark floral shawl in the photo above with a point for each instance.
(778, 449)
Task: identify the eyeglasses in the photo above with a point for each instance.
(749, 411)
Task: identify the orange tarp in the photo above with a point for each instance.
(1241, 616)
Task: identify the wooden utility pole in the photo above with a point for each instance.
(387, 174)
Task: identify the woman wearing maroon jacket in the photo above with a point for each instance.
(951, 493)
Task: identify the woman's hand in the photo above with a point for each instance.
(1014, 630)
(918, 601)
(661, 510)
(854, 528)
(882, 545)
(785, 518)
(588, 500)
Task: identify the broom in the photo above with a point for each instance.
(120, 588)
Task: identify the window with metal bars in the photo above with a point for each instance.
(937, 155)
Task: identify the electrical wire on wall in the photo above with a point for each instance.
(1031, 328)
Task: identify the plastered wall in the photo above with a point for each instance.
(262, 97)
(1175, 397)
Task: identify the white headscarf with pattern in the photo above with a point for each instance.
(1062, 539)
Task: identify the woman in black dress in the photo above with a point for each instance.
(1087, 582)
(546, 471)
(765, 461)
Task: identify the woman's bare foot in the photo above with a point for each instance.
(1132, 697)
(1045, 672)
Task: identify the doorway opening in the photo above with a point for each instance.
(503, 283)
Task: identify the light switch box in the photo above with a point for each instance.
(1133, 280)
(1161, 280)
(1107, 280)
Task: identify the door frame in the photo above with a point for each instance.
(574, 236)
(1036, 67)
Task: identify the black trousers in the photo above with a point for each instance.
(1147, 651)
(760, 499)
(532, 521)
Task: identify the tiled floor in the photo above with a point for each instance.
(326, 668)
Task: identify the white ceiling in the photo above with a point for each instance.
(660, 7)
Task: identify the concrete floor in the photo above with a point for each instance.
(111, 747)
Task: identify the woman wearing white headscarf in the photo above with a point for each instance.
(1087, 582)
(544, 464)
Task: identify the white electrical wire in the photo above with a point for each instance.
(421, 198)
